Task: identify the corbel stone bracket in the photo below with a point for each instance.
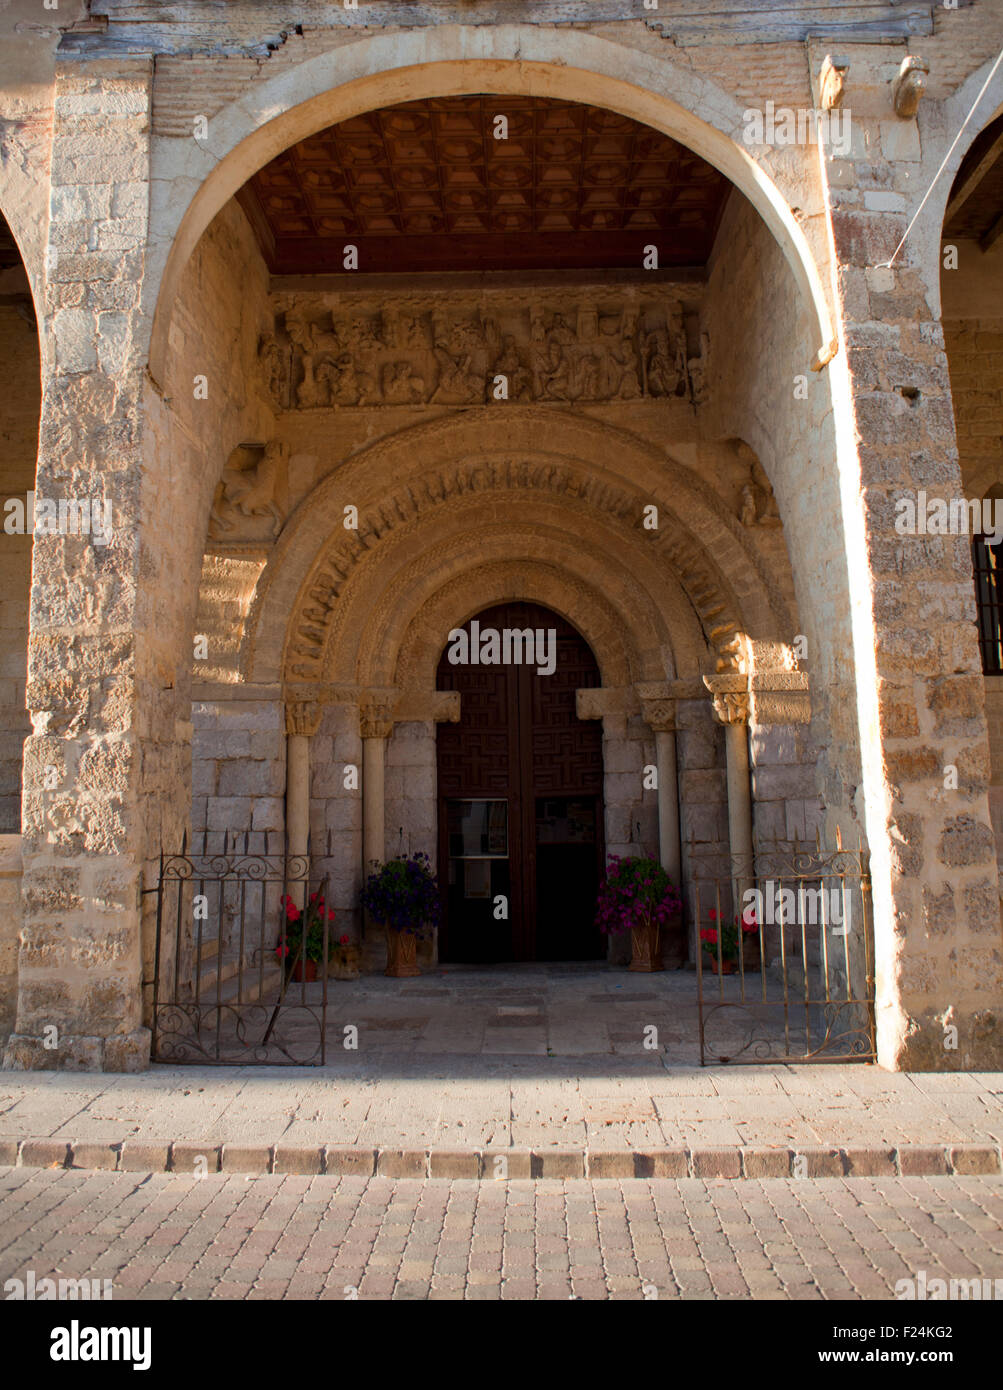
(832, 81)
(909, 85)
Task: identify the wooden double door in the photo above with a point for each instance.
(520, 800)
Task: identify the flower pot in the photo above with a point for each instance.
(728, 967)
(646, 948)
(402, 948)
(344, 965)
(304, 970)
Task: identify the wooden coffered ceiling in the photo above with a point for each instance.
(975, 207)
(426, 186)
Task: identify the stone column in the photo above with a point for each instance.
(921, 785)
(302, 722)
(731, 708)
(105, 661)
(660, 716)
(376, 724)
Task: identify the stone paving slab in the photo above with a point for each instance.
(530, 1058)
(428, 1102)
(356, 1235)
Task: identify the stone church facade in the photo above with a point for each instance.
(344, 362)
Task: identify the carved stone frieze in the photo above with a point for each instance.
(469, 348)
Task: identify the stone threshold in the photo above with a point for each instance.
(346, 1160)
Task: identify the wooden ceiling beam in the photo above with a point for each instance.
(992, 234)
(972, 180)
(489, 251)
(249, 201)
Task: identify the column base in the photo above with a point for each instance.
(929, 1044)
(120, 1052)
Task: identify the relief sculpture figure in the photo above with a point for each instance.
(249, 492)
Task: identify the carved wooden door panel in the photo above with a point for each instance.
(520, 801)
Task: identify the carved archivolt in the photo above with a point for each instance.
(464, 348)
(311, 624)
(451, 603)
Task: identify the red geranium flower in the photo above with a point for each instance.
(343, 941)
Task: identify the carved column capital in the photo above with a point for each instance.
(658, 706)
(731, 709)
(303, 717)
(660, 715)
(730, 697)
(376, 713)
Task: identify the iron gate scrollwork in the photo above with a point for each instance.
(231, 986)
(785, 955)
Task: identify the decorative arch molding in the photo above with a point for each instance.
(421, 634)
(453, 60)
(428, 538)
(308, 569)
(638, 619)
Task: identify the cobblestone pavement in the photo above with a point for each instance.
(162, 1236)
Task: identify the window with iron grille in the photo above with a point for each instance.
(986, 562)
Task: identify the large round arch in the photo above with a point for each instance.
(450, 61)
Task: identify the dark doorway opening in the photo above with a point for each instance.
(520, 794)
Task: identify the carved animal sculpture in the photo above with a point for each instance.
(250, 491)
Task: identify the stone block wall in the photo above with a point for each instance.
(785, 800)
(238, 771)
(410, 790)
(994, 720)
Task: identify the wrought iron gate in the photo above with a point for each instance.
(230, 986)
(793, 981)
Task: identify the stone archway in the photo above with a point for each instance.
(443, 61)
(414, 499)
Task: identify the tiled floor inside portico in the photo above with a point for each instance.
(546, 1010)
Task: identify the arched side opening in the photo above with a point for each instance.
(971, 288)
(19, 420)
